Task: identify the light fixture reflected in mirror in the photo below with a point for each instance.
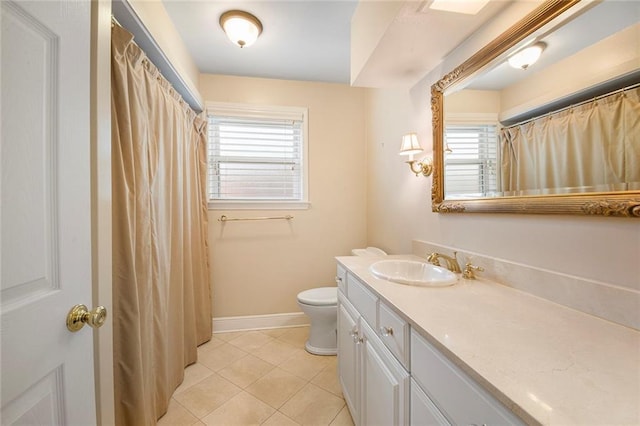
(241, 27)
(527, 56)
(411, 146)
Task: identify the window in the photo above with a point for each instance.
(471, 160)
(257, 156)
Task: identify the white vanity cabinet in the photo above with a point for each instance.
(391, 375)
(375, 384)
(423, 410)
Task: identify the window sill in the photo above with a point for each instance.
(259, 205)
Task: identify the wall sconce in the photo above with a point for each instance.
(241, 27)
(527, 56)
(411, 146)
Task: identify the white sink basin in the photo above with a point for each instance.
(411, 272)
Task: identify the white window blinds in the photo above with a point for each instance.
(471, 160)
(256, 156)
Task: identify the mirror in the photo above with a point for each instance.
(589, 57)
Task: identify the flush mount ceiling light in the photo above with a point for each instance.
(527, 56)
(241, 27)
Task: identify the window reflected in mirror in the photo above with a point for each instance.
(471, 159)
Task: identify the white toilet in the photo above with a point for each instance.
(369, 252)
(321, 306)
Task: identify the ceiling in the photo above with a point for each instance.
(301, 40)
(310, 40)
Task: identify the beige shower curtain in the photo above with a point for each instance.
(587, 147)
(161, 300)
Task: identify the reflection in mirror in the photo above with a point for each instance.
(594, 146)
(566, 124)
(588, 147)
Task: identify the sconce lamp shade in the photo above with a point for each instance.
(527, 56)
(241, 27)
(410, 144)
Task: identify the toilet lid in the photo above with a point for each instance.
(321, 296)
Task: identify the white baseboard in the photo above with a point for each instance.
(259, 322)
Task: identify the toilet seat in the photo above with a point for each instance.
(321, 296)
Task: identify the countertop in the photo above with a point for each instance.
(548, 363)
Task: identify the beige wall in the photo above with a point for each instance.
(399, 205)
(259, 267)
(473, 102)
(369, 23)
(159, 24)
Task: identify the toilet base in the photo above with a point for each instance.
(323, 333)
(320, 351)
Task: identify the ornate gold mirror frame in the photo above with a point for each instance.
(624, 203)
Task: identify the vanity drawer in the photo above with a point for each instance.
(458, 396)
(363, 300)
(341, 279)
(394, 332)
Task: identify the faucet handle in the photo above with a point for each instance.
(433, 259)
(470, 270)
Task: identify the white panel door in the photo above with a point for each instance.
(47, 371)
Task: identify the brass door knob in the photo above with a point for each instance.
(79, 315)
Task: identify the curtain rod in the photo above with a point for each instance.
(114, 21)
(148, 62)
(131, 21)
(624, 89)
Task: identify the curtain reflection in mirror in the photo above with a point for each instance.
(594, 146)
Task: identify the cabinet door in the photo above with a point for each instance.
(423, 410)
(384, 387)
(459, 397)
(347, 357)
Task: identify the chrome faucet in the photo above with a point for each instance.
(452, 262)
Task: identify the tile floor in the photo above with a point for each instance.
(259, 378)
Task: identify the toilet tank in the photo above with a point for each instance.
(369, 251)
